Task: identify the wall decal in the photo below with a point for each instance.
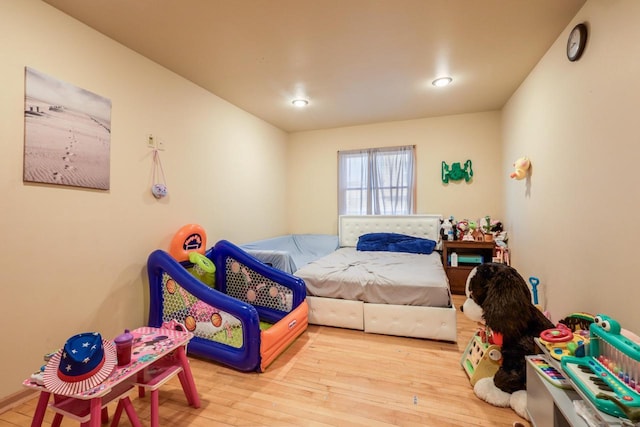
(456, 172)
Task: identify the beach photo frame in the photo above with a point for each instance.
(67, 133)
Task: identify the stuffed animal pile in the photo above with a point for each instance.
(500, 298)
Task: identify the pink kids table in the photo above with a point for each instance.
(157, 355)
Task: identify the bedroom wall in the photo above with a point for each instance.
(313, 174)
(573, 223)
(73, 260)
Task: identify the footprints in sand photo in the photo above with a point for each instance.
(67, 134)
(61, 176)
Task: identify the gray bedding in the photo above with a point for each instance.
(290, 252)
(379, 277)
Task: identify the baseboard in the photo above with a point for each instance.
(15, 399)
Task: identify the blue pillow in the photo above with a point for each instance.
(394, 242)
(422, 246)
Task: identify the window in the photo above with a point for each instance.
(377, 181)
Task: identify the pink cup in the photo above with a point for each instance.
(123, 347)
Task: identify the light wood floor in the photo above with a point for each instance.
(328, 377)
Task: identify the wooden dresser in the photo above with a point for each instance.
(458, 275)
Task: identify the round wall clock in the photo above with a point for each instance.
(577, 41)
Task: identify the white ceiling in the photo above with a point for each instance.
(357, 61)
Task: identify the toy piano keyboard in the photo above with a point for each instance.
(609, 376)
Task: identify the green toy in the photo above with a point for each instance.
(456, 172)
(203, 268)
(632, 413)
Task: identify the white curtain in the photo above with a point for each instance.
(376, 181)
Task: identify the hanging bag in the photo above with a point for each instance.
(159, 187)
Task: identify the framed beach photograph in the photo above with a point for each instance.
(67, 133)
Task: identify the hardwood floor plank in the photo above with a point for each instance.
(327, 377)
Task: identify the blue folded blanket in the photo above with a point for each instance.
(394, 242)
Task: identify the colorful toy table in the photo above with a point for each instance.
(157, 355)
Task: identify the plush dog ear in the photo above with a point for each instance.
(507, 302)
(480, 280)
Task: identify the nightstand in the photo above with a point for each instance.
(458, 275)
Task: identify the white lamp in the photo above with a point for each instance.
(300, 103)
(442, 81)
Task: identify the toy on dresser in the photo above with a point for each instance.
(548, 372)
(562, 341)
(482, 356)
(609, 375)
(570, 337)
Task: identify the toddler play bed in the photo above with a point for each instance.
(250, 315)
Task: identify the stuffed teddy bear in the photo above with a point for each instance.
(500, 298)
(521, 167)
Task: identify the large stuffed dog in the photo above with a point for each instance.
(500, 298)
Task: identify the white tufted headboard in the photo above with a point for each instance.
(351, 227)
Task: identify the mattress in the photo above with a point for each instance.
(290, 252)
(378, 277)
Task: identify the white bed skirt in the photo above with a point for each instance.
(436, 323)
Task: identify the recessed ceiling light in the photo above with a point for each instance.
(442, 81)
(300, 103)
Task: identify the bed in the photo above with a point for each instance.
(413, 308)
(413, 299)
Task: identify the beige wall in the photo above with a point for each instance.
(573, 223)
(74, 260)
(312, 196)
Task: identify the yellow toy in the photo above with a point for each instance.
(482, 356)
(521, 168)
(562, 341)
